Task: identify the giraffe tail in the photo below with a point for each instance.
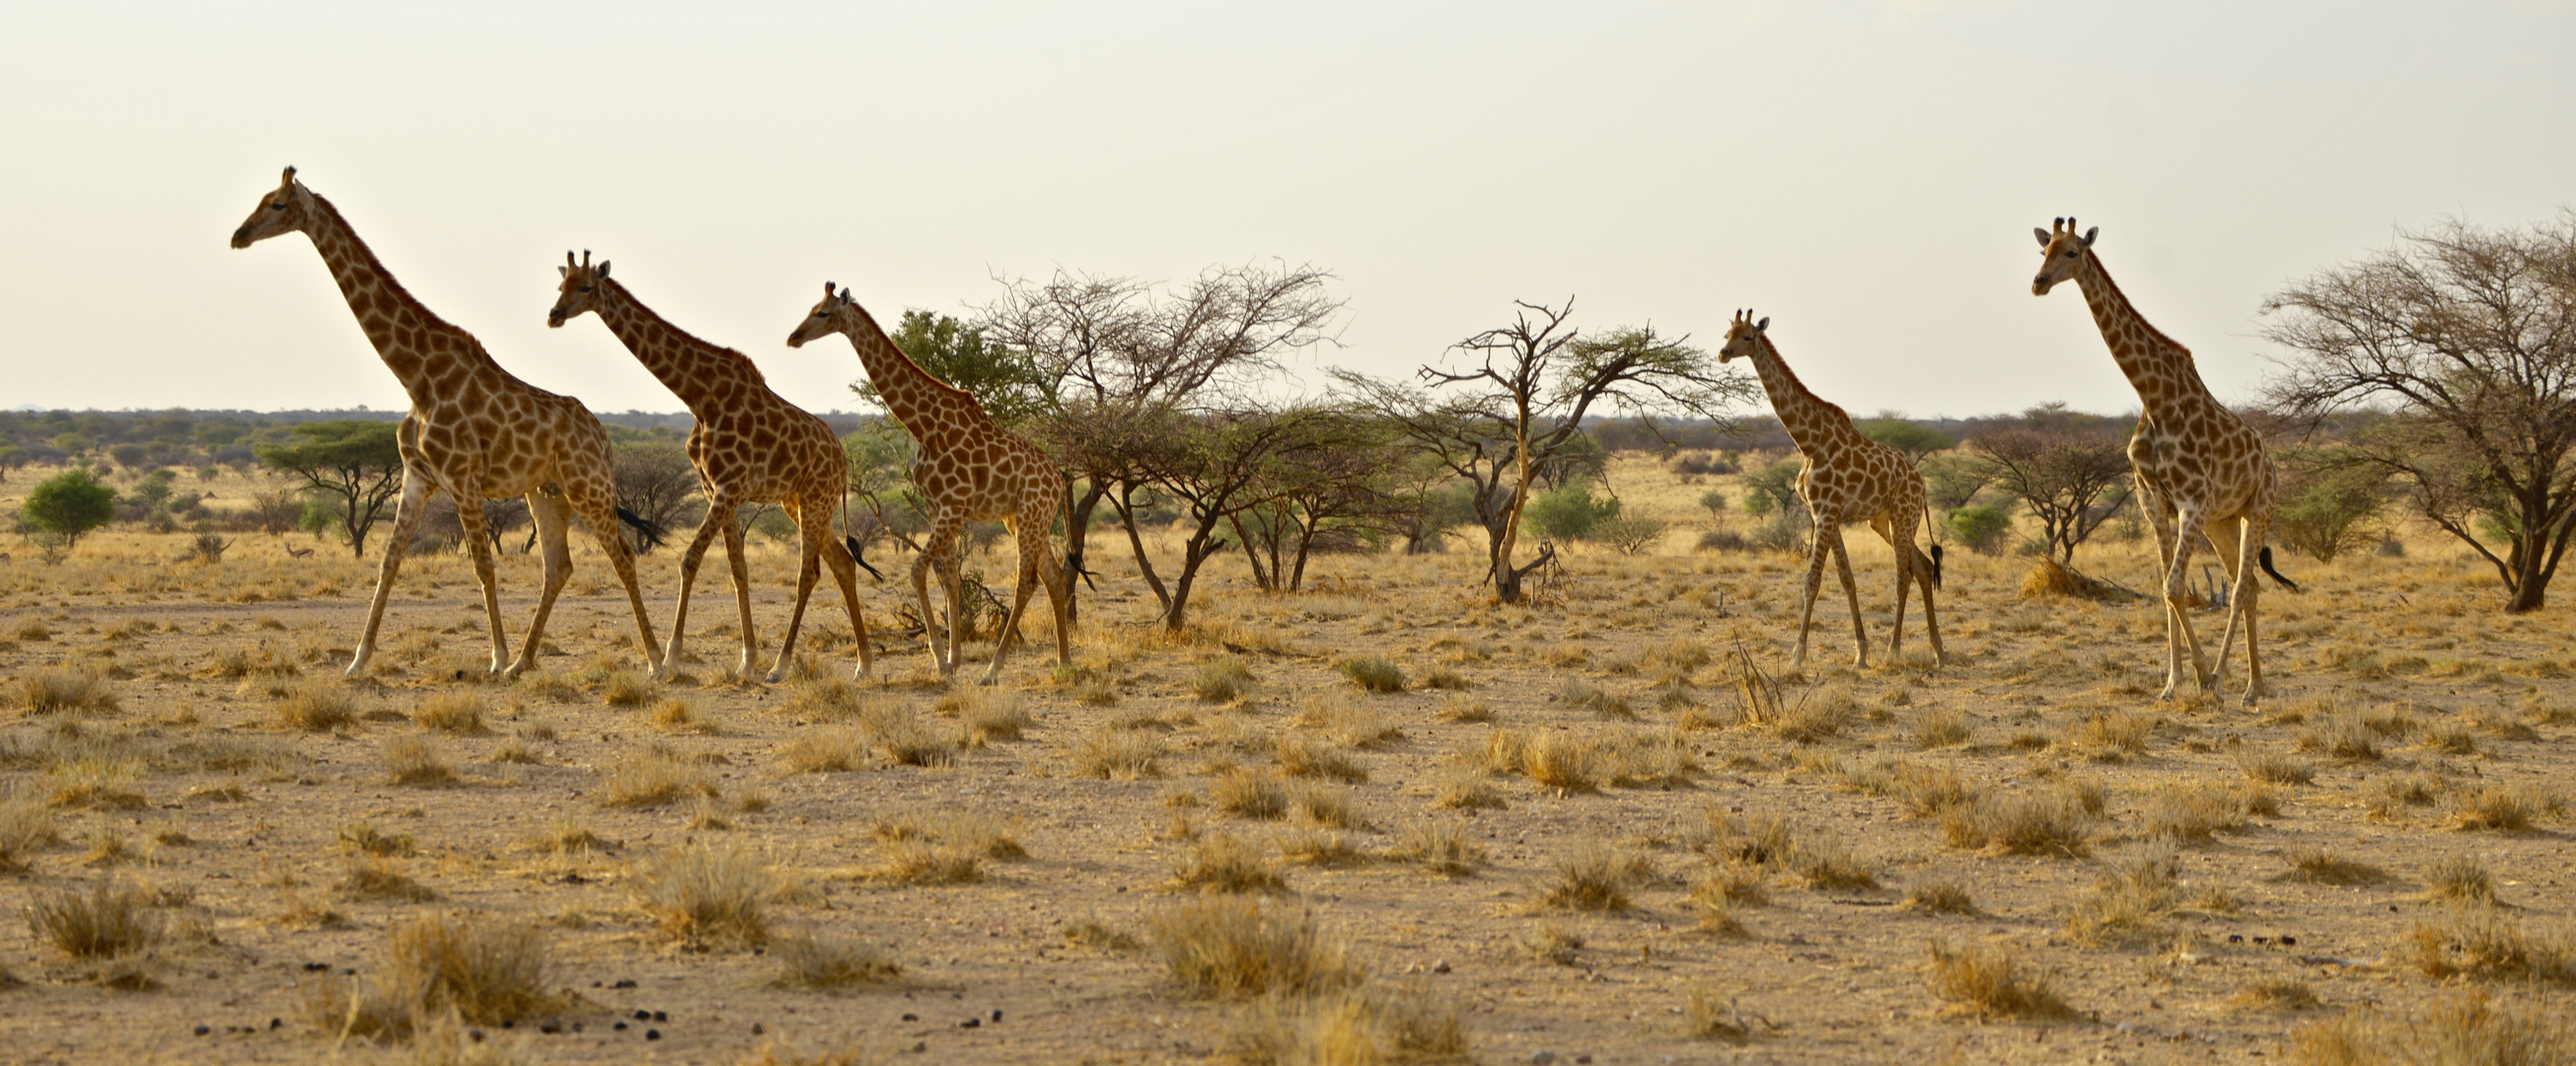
(2265, 558)
(649, 530)
(1936, 541)
(1073, 548)
(858, 551)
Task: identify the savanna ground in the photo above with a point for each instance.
(1615, 828)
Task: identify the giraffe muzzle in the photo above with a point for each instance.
(241, 237)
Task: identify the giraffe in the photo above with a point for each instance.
(1845, 478)
(968, 469)
(473, 431)
(2199, 467)
(749, 445)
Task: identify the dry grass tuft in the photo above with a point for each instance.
(1459, 707)
(1307, 756)
(625, 688)
(1940, 897)
(653, 777)
(1347, 720)
(2458, 877)
(2465, 1030)
(67, 689)
(110, 920)
(698, 892)
(2193, 812)
(2277, 994)
(826, 750)
(1222, 679)
(460, 713)
(1465, 788)
(1827, 863)
(2504, 809)
(991, 716)
(2481, 943)
(920, 862)
(2273, 768)
(25, 825)
(2326, 866)
(381, 880)
(2050, 822)
(484, 973)
(416, 762)
(1353, 1025)
(820, 962)
(1374, 673)
(1119, 755)
(1561, 760)
(1708, 1019)
(1942, 727)
(1987, 984)
(1440, 847)
(2127, 907)
(899, 733)
(316, 707)
(1251, 792)
(1238, 948)
(1597, 877)
(1226, 863)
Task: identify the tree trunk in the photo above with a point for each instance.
(1122, 502)
(1077, 534)
(1261, 577)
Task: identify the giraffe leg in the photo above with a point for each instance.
(943, 535)
(1931, 615)
(600, 514)
(1035, 557)
(741, 573)
(2187, 525)
(2236, 544)
(719, 515)
(552, 519)
(814, 529)
(1815, 583)
(2160, 518)
(1059, 589)
(1899, 535)
(1851, 592)
(845, 572)
(415, 497)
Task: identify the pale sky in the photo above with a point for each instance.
(1866, 174)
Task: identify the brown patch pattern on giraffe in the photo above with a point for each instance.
(968, 469)
(474, 432)
(2199, 467)
(749, 446)
(1845, 478)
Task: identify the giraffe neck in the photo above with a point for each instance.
(920, 402)
(393, 321)
(1810, 420)
(2159, 368)
(692, 369)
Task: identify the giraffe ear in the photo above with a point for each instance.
(2090, 234)
(2041, 234)
(603, 268)
(563, 271)
(1762, 326)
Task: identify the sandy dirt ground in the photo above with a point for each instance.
(1618, 827)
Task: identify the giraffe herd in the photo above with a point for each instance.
(476, 432)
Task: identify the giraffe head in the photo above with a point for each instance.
(580, 289)
(836, 313)
(2061, 251)
(1741, 335)
(283, 211)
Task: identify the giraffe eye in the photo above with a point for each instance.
(278, 206)
(585, 288)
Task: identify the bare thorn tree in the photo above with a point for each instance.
(2070, 479)
(2469, 335)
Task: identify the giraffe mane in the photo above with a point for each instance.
(733, 359)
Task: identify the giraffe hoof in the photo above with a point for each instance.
(773, 677)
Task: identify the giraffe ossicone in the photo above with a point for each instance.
(474, 432)
(2200, 469)
(968, 468)
(1845, 478)
(749, 446)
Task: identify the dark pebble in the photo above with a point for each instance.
(661, 1017)
(652, 1034)
(475, 1035)
(2235, 938)
(997, 1014)
(643, 1015)
(550, 1027)
(919, 1046)
(624, 982)
(598, 984)
(276, 1023)
(621, 1027)
(2262, 940)
(756, 1029)
(912, 1017)
(509, 1023)
(315, 967)
(971, 1023)
(204, 1029)
(2289, 942)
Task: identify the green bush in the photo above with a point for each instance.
(70, 504)
(1567, 514)
(1981, 528)
(2326, 512)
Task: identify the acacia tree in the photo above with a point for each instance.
(1346, 475)
(1001, 377)
(1110, 353)
(352, 464)
(2469, 335)
(1522, 408)
(1215, 465)
(2071, 479)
